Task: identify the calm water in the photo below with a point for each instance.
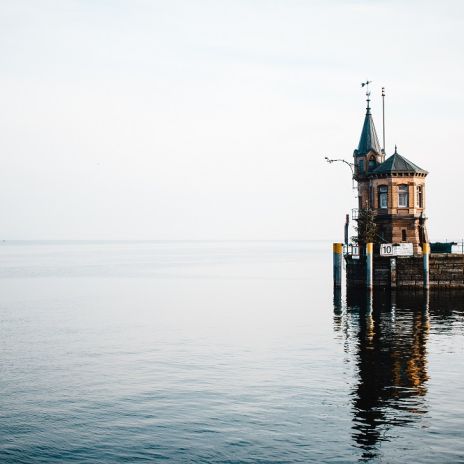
(219, 352)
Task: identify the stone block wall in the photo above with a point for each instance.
(446, 271)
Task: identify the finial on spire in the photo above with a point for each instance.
(368, 93)
(395, 149)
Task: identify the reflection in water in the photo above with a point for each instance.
(386, 337)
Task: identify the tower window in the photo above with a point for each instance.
(371, 165)
(383, 194)
(403, 196)
(419, 197)
(361, 166)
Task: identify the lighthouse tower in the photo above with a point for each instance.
(393, 189)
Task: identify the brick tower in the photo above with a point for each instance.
(393, 188)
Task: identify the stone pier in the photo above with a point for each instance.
(446, 271)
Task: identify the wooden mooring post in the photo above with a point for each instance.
(369, 265)
(426, 266)
(337, 264)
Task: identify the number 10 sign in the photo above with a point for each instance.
(397, 249)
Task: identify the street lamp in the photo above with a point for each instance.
(350, 165)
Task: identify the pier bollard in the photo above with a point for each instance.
(337, 264)
(426, 256)
(369, 265)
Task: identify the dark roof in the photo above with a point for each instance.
(398, 164)
(369, 140)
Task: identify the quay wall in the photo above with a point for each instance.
(446, 271)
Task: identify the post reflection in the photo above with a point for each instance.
(386, 337)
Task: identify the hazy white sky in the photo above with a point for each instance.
(138, 119)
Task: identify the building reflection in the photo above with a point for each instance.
(386, 338)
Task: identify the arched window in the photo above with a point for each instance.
(403, 196)
(361, 166)
(420, 197)
(383, 195)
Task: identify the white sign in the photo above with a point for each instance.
(352, 250)
(396, 249)
(386, 249)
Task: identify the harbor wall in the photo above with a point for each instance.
(445, 271)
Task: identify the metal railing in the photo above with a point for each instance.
(457, 246)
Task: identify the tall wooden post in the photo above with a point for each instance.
(369, 265)
(337, 264)
(426, 267)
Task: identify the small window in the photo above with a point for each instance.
(371, 197)
(403, 235)
(371, 165)
(361, 166)
(403, 196)
(419, 197)
(383, 194)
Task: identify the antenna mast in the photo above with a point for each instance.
(383, 116)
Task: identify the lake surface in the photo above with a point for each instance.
(219, 352)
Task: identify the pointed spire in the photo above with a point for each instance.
(368, 140)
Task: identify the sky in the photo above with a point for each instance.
(210, 120)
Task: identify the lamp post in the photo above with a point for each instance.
(350, 165)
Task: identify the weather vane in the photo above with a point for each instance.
(366, 84)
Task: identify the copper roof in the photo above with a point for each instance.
(368, 140)
(397, 164)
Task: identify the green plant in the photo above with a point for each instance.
(366, 227)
